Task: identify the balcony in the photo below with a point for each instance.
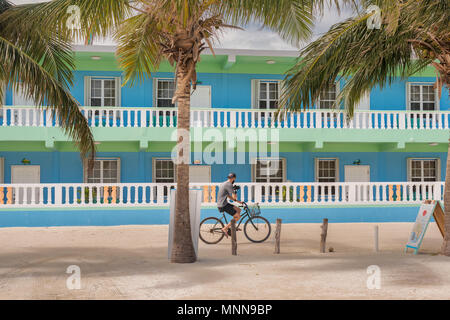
(232, 118)
(298, 194)
(316, 130)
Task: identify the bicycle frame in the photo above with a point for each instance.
(245, 215)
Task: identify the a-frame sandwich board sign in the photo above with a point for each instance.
(427, 210)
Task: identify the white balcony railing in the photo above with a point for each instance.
(232, 118)
(273, 194)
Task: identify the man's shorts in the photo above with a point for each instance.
(228, 209)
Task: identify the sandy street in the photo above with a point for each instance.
(131, 263)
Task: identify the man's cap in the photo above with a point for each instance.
(231, 175)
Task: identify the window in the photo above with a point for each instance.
(164, 171)
(422, 97)
(423, 170)
(269, 170)
(328, 97)
(103, 171)
(165, 90)
(326, 170)
(265, 94)
(268, 95)
(102, 92)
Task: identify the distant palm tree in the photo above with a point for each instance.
(368, 58)
(148, 31)
(38, 62)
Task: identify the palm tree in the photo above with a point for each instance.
(148, 31)
(39, 62)
(367, 58)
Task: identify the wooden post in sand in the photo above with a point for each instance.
(375, 231)
(233, 238)
(277, 237)
(323, 236)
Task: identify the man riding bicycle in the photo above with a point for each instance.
(226, 191)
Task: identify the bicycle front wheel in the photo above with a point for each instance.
(257, 229)
(211, 230)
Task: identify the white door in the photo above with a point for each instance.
(25, 175)
(201, 97)
(200, 174)
(19, 98)
(364, 103)
(357, 173)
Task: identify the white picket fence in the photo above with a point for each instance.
(273, 194)
(232, 118)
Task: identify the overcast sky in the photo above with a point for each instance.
(253, 37)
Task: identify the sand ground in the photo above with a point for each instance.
(131, 263)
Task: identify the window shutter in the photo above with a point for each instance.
(118, 83)
(280, 91)
(85, 170)
(283, 161)
(316, 169)
(255, 94)
(408, 168)
(337, 169)
(437, 99)
(408, 96)
(438, 169)
(87, 91)
(2, 170)
(155, 92)
(338, 91)
(118, 170)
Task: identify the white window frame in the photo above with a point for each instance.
(409, 168)
(85, 174)
(338, 90)
(2, 170)
(421, 84)
(255, 87)
(284, 169)
(155, 90)
(316, 168)
(88, 85)
(154, 160)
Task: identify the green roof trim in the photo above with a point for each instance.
(226, 61)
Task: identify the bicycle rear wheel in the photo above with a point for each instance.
(211, 230)
(257, 229)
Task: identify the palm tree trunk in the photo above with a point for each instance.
(446, 245)
(183, 248)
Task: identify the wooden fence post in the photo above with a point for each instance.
(277, 236)
(376, 238)
(233, 238)
(323, 236)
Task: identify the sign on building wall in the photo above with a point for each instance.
(427, 210)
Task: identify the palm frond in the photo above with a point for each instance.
(46, 46)
(18, 68)
(97, 17)
(139, 51)
(364, 58)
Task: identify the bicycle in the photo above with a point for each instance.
(256, 229)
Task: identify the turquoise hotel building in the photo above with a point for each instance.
(377, 167)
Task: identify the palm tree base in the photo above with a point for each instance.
(446, 248)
